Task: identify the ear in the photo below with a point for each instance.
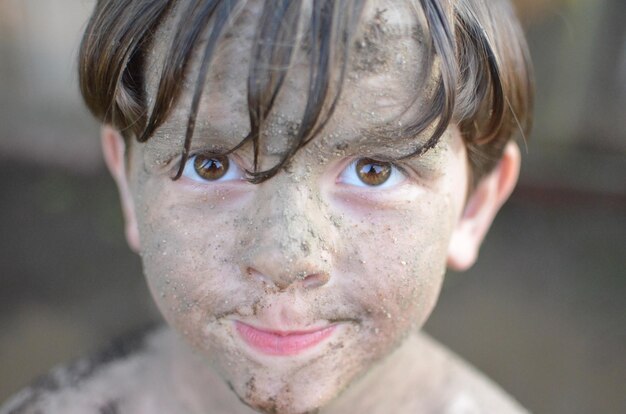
(482, 207)
(114, 149)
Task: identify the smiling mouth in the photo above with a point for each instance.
(282, 343)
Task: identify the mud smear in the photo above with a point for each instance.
(372, 50)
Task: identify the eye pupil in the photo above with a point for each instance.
(211, 167)
(372, 172)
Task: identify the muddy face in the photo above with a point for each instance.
(317, 246)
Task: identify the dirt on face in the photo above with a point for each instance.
(313, 246)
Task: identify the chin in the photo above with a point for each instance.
(282, 403)
(286, 394)
(274, 406)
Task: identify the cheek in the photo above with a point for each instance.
(394, 262)
(189, 258)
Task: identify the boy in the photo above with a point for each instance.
(296, 177)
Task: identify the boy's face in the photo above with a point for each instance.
(293, 287)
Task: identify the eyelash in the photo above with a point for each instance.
(348, 176)
(233, 171)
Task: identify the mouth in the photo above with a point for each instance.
(282, 343)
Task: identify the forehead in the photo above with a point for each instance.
(384, 85)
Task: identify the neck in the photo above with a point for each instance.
(396, 381)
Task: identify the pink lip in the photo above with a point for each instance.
(282, 343)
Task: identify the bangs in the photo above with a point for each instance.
(461, 59)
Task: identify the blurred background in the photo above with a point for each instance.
(543, 312)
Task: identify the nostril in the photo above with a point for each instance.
(286, 279)
(315, 280)
(256, 275)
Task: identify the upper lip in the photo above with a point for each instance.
(283, 317)
(288, 332)
(263, 326)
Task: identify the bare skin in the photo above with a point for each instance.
(431, 380)
(314, 248)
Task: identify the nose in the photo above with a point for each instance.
(294, 243)
(274, 269)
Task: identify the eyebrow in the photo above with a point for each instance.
(205, 134)
(391, 138)
(167, 142)
(387, 142)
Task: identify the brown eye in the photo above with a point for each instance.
(372, 172)
(210, 167)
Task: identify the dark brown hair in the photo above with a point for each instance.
(484, 78)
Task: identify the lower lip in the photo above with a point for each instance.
(282, 343)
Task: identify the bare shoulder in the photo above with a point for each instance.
(461, 388)
(95, 384)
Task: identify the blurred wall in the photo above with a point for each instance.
(41, 115)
